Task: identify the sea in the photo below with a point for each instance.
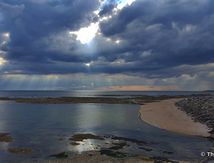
(94, 93)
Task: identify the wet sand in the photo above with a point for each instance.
(165, 115)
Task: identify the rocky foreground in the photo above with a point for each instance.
(200, 108)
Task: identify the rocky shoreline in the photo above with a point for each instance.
(200, 108)
(110, 149)
(114, 149)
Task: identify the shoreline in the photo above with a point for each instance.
(139, 100)
(68, 100)
(165, 115)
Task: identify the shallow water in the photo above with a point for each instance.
(46, 128)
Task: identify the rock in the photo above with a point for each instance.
(20, 150)
(200, 108)
(74, 143)
(81, 137)
(61, 155)
(5, 137)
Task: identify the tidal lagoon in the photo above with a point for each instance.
(35, 131)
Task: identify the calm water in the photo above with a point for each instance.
(46, 128)
(91, 93)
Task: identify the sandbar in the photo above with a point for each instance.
(165, 115)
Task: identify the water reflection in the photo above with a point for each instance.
(87, 118)
(47, 128)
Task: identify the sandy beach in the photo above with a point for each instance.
(165, 115)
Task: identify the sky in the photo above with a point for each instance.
(95, 44)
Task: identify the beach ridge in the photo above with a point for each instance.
(166, 115)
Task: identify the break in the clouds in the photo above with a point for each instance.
(165, 42)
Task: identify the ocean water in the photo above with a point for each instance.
(46, 128)
(93, 93)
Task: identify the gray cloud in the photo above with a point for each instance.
(151, 39)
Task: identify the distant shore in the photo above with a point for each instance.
(166, 115)
(140, 100)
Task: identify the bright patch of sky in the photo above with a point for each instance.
(2, 61)
(86, 34)
(123, 3)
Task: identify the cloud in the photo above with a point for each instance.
(37, 20)
(107, 9)
(169, 40)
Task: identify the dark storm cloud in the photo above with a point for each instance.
(107, 8)
(155, 36)
(28, 21)
(176, 32)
